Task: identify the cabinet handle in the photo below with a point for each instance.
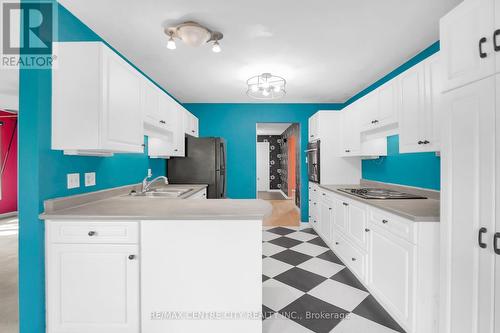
(162, 122)
(336, 243)
(176, 149)
(314, 203)
(312, 136)
(367, 230)
(323, 193)
(481, 53)
(192, 131)
(495, 243)
(373, 121)
(482, 231)
(353, 259)
(345, 204)
(92, 233)
(426, 142)
(384, 221)
(495, 41)
(329, 208)
(347, 151)
(132, 257)
(420, 142)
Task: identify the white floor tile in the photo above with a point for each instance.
(268, 249)
(277, 295)
(339, 294)
(272, 267)
(309, 249)
(301, 236)
(321, 267)
(267, 236)
(354, 323)
(279, 324)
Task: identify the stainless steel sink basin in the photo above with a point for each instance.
(163, 192)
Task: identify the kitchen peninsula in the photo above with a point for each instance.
(117, 262)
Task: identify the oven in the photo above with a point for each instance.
(313, 160)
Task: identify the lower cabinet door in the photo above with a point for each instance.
(92, 288)
(325, 221)
(339, 214)
(391, 273)
(357, 224)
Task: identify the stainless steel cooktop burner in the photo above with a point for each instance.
(379, 193)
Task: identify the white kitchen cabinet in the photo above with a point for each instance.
(190, 124)
(420, 111)
(157, 109)
(340, 214)
(92, 287)
(368, 106)
(199, 195)
(350, 131)
(470, 158)
(313, 127)
(105, 117)
(357, 223)
(467, 42)
(391, 271)
(326, 216)
(314, 210)
(379, 107)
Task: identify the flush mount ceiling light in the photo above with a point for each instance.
(193, 34)
(266, 86)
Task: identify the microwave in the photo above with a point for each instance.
(313, 161)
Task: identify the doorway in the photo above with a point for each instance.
(277, 170)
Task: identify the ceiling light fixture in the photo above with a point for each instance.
(193, 34)
(266, 86)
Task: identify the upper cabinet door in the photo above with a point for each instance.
(313, 127)
(433, 104)
(122, 119)
(412, 106)
(150, 104)
(466, 35)
(387, 113)
(369, 108)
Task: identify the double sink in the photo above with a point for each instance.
(163, 192)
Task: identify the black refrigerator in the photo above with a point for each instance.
(204, 163)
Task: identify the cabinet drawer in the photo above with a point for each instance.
(352, 257)
(325, 196)
(394, 224)
(93, 232)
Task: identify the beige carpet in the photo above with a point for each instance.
(8, 276)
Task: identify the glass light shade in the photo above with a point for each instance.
(266, 86)
(193, 35)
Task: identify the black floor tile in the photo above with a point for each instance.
(347, 277)
(266, 312)
(309, 231)
(317, 241)
(264, 278)
(330, 256)
(285, 242)
(291, 257)
(300, 279)
(372, 310)
(281, 231)
(313, 313)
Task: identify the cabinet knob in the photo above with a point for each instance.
(323, 193)
(384, 221)
(345, 204)
(192, 131)
(176, 149)
(367, 230)
(92, 233)
(353, 259)
(132, 257)
(329, 208)
(336, 243)
(347, 151)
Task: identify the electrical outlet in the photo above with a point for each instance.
(73, 180)
(90, 179)
(150, 173)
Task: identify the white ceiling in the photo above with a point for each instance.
(328, 50)
(271, 128)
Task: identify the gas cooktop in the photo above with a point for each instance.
(379, 193)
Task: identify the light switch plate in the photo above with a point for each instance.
(73, 180)
(90, 179)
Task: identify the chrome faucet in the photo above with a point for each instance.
(146, 185)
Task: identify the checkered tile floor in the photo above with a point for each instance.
(306, 288)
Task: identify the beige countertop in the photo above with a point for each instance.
(116, 204)
(418, 210)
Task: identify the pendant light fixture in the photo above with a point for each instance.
(266, 86)
(194, 35)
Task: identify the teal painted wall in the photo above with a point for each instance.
(418, 169)
(236, 123)
(43, 175)
(415, 169)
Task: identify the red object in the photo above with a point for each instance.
(8, 201)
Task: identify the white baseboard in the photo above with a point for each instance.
(9, 214)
